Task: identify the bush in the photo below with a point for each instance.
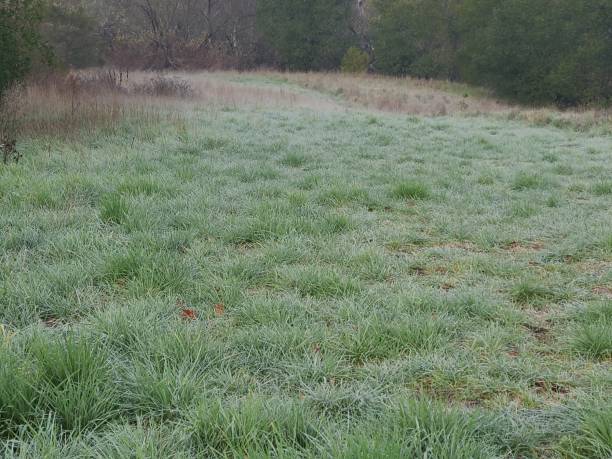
(20, 40)
(164, 86)
(355, 61)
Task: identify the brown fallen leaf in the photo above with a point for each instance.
(189, 314)
(219, 309)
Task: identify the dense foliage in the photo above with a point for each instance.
(74, 35)
(533, 51)
(306, 35)
(355, 61)
(415, 37)
(19, 38)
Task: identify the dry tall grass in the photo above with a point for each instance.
(101, 99)
(104, 100)
(401, 95)
(440, 98)
(51, 110)
(229, 89)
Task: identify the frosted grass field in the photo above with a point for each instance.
(252, 281)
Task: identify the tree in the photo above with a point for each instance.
(307, 35)
(174, 33)
(416, 37)
(19, 39)
(556, 51)
(74, 35)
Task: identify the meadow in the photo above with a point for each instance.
(305, 265)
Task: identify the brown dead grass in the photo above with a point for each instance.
(225, 89)
(439, 98)
(76, 102)
(401, 95)
(55, 108)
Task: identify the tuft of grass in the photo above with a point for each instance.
(411, 189)
(344, 401)
(523, 209)
(593, 437)
(417, 428)
(527, 181)
(294, 160)
(486, 180)
(114, 208)
(320, 283)
(379, 339)
(602, 188)
(162, 391)
(531, 292)
(145, 438)
(252, 426)
(342, 195)
(594, 340)
(606, 244)
(553, 202)
(18, 396)
(141, 186)
(591, 334)
(123, 266)
(76, 381)
(336, 224)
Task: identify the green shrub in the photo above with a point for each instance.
(19, 39)
(355, 61)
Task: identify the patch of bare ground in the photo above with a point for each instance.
(524, 247)
(602, 290)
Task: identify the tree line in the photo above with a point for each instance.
(533, 51)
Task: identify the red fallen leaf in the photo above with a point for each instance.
(219, 309)
(189, 314)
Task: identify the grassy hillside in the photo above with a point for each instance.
(264, 269)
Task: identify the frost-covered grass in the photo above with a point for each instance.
(255, 282)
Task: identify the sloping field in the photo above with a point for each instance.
(272, 270)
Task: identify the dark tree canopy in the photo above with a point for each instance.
(534, 51)
(19, 38)
(311, 35)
